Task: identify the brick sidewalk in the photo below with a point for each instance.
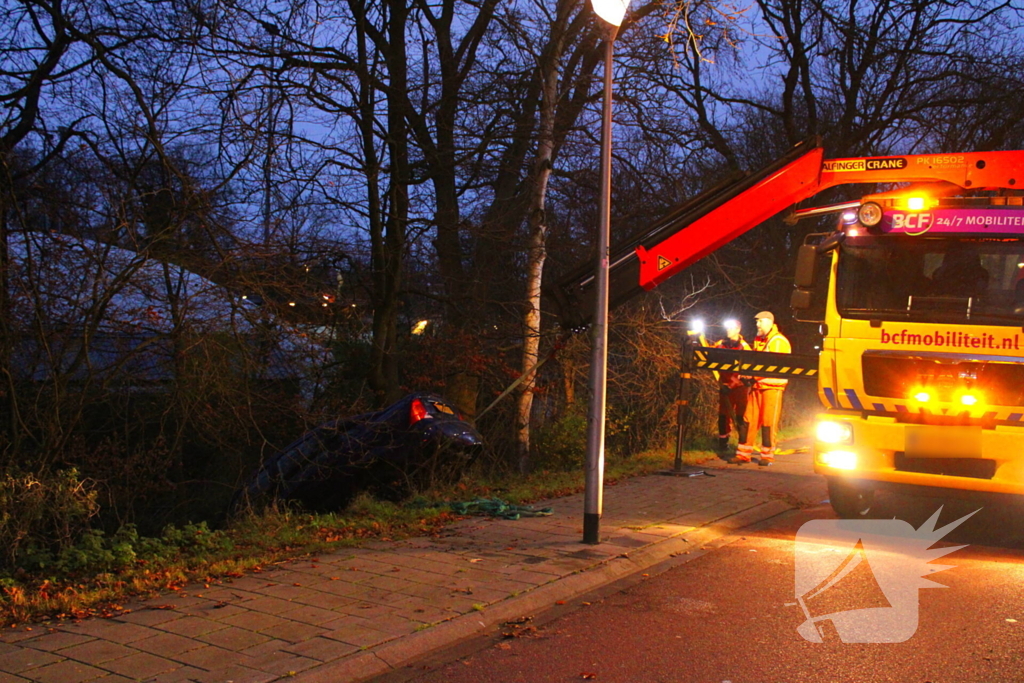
(363, 612)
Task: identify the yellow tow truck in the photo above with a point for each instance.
(919, 291)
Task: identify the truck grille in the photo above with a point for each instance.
(1000, 384)
(975, 468)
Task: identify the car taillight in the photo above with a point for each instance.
(417, 412)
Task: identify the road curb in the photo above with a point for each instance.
(401, 651)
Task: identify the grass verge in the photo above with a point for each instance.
(102, 580)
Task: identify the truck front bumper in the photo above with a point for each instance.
(883, 451)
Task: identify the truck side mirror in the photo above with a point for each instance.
(808, 299)
(806, 266)
(801, 299)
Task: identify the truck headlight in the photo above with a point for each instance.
(969, 398)
(840, 460)
(834, 432)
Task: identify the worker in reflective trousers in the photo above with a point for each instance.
(764, 405)
(732, 392)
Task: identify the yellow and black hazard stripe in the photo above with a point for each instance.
(756, 363)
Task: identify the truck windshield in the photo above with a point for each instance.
(954, 279)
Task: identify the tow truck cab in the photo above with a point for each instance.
(922, 364)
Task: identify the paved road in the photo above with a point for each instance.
(730, 616)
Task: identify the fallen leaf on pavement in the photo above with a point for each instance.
(518, 621)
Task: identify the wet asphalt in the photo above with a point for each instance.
(731, 616)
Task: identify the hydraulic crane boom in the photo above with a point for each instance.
(716, 217)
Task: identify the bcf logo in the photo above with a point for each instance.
(896, 554)
(913, 223)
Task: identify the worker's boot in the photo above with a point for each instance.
(742, 455)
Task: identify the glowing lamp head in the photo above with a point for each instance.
(915, 203)
(731, 325)
(922, 396)
(612, 11)
(696, 327)
(968, 400)
(849, 216)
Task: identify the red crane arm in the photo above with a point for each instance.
(805, 177)
(710, 220)
(795, 182)
(970, 170)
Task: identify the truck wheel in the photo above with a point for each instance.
(849, 501)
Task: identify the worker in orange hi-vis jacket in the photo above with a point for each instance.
(764, 405)
(732, 392)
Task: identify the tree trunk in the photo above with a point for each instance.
(388, 254)
(8, 398)
(548, 68)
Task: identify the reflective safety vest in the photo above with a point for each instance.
(773, 342)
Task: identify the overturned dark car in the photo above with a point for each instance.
(420, 440)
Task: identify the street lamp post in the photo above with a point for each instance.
(612, 12)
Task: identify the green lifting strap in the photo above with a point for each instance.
(495, 507)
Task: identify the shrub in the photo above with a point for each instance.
(562, 445)
(95, 552)
(43, 514)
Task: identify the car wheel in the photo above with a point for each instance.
(850, 501)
